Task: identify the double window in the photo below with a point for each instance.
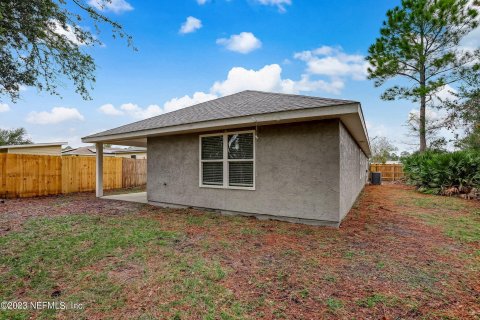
(228, 160)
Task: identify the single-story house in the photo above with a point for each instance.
(275, 156)
(43, 149)
(132, 152)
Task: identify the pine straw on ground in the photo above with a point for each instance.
(398, 254)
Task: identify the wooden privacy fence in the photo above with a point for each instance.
(33, 175)
(134, 172)
(390, 172)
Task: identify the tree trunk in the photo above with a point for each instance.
(423, 107)
(422, 131)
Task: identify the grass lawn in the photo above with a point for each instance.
(398, 254)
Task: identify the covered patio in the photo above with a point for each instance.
(139, 197)
(142, 142)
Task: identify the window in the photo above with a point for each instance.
(228, 160)
(212, 160)
(133, 156)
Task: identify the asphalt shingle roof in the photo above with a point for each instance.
(245, 103)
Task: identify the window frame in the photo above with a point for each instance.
(225, 161)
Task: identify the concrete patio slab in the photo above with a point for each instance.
(140, 197)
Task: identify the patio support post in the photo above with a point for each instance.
(99, 169)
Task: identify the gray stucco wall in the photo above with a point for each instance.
(297, 173)
(353, 171)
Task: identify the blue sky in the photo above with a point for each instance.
(193, 50)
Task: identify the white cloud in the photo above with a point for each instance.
(109, 109)
(432, 115)
(269, 78)
(471, 40)
(135, 111)
(377, 130)
(334, 62)
(446, 93)
(4, 107)
(115, 6)
(244, 42)
(68, 32)
(192, 24)
(280, 4)
(305, 84)
(54, 116)
(186, 101)
(141, 113)
(201, 2)
(395, 133)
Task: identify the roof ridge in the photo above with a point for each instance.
(301, 95)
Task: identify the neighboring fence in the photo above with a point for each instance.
(33, 175)
(134, 173)
(30, 175)
(390, 172)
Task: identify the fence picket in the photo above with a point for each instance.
(390, 172)
(38, 175)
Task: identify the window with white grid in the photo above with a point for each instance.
(228, 160)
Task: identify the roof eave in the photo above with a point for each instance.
(259, 119)
(33, 145)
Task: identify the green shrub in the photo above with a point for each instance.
(434, 172)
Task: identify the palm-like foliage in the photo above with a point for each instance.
(433, 172)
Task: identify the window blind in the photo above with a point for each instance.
(212, 173)
(240, 174)
(212, 148)
(240, 146)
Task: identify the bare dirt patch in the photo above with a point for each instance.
(14, 212)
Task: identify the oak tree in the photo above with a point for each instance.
(43, 42)
(14, 137)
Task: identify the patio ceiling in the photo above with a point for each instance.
(139, 142)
